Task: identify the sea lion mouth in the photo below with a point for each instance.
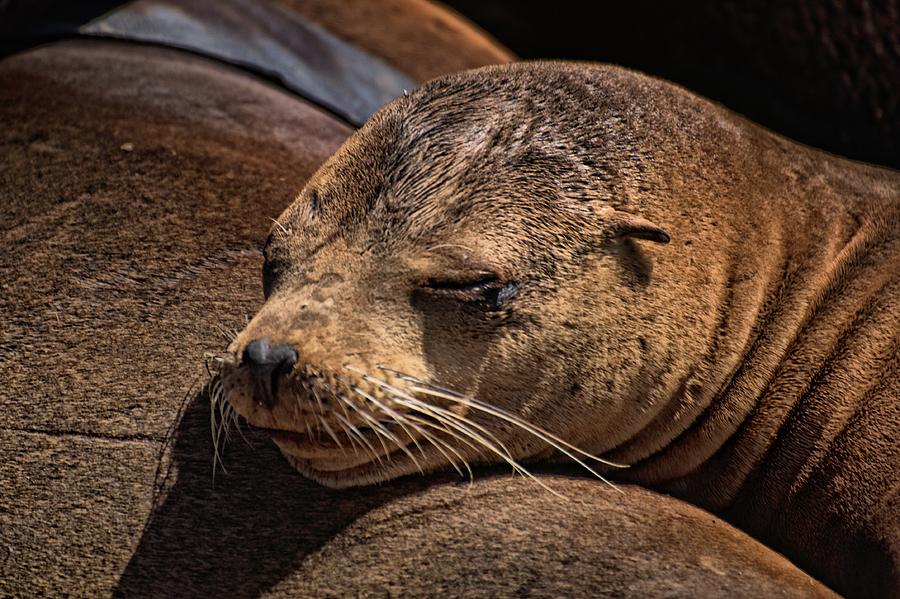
(345, 450)
(321, 442)
(358, 422)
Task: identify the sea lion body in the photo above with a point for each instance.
(490, 238)
(96, 356)
(499, 538)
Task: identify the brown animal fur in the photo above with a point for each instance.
(600, 543)
(122, 263)
(482, 235)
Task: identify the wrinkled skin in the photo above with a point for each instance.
(501, 234)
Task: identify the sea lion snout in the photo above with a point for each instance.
(267, 364)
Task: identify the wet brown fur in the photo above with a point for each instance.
(120, 270)
(600, 543)
(749, 366)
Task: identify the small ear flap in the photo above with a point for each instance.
(641, 228)
(623, 224)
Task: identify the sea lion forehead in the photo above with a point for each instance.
(491, 143)
(469, 133)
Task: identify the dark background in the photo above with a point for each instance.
(824, 72)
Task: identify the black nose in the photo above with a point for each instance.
(268, 364)
(262, 354)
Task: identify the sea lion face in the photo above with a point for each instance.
(441, 290)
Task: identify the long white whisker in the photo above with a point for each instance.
(436, 442)
(449, 419)
(330, 432)
(353, 442)
(398, 418)
(216, 399)
(223, 408)
(449, 394)
(318, 399)
(468, 422)
(424, 408)
(355, 435)
(548, 438)
(235, 420)
(344, 407)
(228, 335)
(394, 417)
(400, 393)
(440, 443)
(280, 226)
(448, 245)
(355, 430)
(375, 426)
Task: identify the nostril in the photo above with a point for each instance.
(283, 356)
(267, 364)
(256, 352)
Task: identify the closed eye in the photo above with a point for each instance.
(482, 288)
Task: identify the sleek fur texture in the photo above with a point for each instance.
(122, 266)
(496, 241)
(136, 183)
(516, 542)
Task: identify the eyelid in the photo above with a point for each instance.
(485, 288)
(462, 281)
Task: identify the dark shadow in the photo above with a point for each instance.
(636, 268)
(826, 77)
(241, 534)
(28, 23)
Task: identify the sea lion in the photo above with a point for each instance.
(628, 542)
(136, 185)
(482, 274)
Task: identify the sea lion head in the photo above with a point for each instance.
(463, 281)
